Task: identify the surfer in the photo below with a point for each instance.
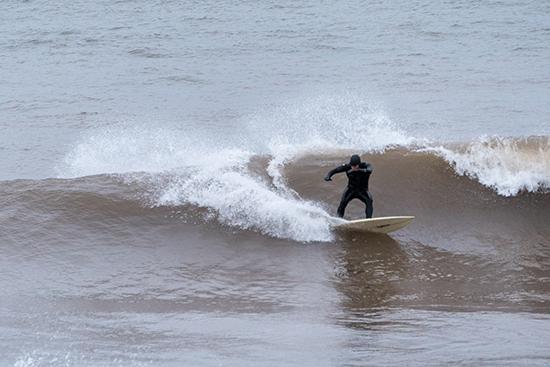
(358, 184)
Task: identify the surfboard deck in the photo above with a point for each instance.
(375, 225)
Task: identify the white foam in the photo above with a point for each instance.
(36, 358)
(506, 165)
(243, 201)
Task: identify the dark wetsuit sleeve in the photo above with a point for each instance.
(367, 166)
(339, 169)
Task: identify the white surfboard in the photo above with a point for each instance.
(375, 225)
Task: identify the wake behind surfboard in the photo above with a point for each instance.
(375, 225)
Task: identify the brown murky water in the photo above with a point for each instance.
(93, 275)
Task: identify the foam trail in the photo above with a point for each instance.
(506, 165)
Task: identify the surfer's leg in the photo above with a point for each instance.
(370, 208)
(367, 199)
(346, 198)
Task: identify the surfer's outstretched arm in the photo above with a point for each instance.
(339, 169)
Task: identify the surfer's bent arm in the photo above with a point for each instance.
(367, 167)
(339, 169)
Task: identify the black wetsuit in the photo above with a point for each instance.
(358, 186)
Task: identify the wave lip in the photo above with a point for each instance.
(507, 165)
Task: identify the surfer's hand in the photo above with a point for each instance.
(327, 178)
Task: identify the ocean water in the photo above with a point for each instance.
(161, 192)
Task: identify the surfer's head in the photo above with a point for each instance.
(355, 160)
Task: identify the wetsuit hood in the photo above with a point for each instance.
(355, 160)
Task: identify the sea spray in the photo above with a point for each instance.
(320, 125)
(243, 201)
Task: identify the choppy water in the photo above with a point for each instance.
(162, 200)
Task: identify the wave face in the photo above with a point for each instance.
(242, 179)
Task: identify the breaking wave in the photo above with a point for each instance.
(214, 172)
(507, 165)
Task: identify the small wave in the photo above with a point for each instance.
(147, 53)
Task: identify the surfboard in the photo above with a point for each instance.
(375, 225)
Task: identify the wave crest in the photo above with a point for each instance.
(507, 165)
